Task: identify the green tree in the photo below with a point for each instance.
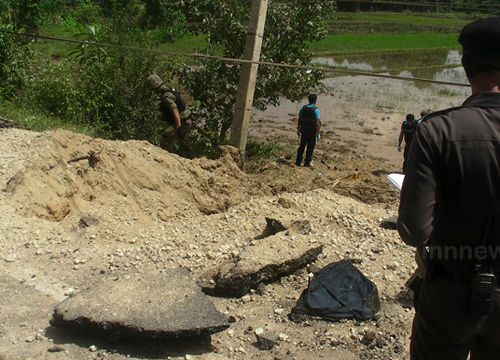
(167, 17)
(25, 15)
(290, 26)
(13, 56)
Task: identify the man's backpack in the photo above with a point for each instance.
(181, 106)
(307, 118)
(339, 290)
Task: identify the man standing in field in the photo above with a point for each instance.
(308, 128)
(408, 128)
(450, 211)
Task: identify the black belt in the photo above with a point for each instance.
(457, 277)
(465, 278)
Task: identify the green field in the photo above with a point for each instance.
(349, 44)
(349, 33)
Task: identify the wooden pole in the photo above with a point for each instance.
(248, 76)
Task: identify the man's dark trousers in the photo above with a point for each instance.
(308, 138)
(444, 329)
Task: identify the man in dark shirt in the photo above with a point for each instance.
(308, 128)
(450, 211)
(408, 128)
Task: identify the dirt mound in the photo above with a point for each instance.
(62, 173)
(74, 207)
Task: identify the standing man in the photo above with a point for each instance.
(408, 129)
(423, 114)
(450, 210)
(308, 128)
(177, 116)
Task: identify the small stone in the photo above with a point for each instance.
(70, 292)
(93, 348)
(265, 340)
(369, 336)
(55, 348)
(283, 337)
(30, 339)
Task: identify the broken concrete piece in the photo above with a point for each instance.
(275, 226)
(262, 261)
(272, 228)
(390, 223)
(159, 304)
(265, 340)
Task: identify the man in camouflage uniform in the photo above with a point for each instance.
(177, 116)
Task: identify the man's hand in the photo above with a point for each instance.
(298, 132)
(399, 147)
(180, 132)
(318, 137)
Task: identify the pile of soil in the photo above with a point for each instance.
(73, 207)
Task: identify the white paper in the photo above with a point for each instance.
(396, 179)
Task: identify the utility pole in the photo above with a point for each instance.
(248, 76)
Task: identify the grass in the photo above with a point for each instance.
(413, 18)
(359, 44)
(187, 45)
(31, 119)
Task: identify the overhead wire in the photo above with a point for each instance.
(234, 60)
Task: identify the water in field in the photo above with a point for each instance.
(442, 65)
(369, 110)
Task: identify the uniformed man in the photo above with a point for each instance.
(424, 113)
(450, 211)
(177, 116)
(408, 128)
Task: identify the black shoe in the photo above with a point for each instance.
(307, 165)
(297, 163)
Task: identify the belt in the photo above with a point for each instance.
(465, 278)
(457, 277)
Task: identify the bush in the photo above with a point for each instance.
(52, 88)
(116, 102)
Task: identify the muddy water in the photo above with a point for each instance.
(359, 111)
(426, 64)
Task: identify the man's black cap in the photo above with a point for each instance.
(481, 37)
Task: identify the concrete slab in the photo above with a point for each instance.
(156, 304)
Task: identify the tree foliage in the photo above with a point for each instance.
(290, 25)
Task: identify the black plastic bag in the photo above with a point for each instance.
(339, 290)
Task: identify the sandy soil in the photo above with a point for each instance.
(73, 207)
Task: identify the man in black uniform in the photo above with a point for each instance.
(408, 128)
(308, 128)
(450, 211)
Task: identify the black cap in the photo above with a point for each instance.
(481, 37)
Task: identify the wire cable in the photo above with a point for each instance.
(226, 59)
